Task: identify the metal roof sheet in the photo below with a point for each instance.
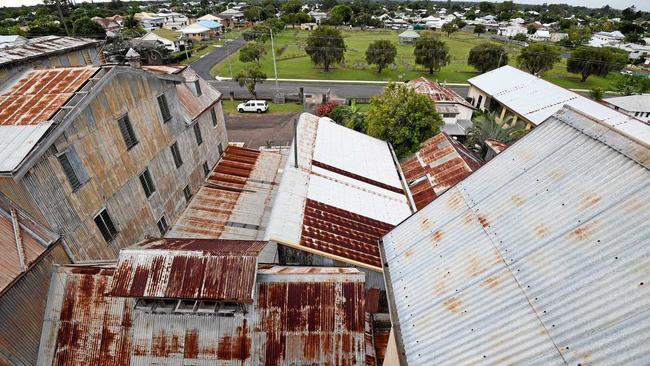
(201, 269)
(538, 258)
(302, 318)
(21, 248)
(43, 46)
(632, 103)
(536, 99)
(193, 104)
(345, 193)
(437, 93)
(440, 163)
(37, 96)
(235, 201)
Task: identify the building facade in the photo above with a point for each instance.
(117, 158)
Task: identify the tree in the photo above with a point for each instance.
(403, 117)
(252, 52)
(599, 61)
(381, 53)
(635, 38)
(292, 6)
(325, 46)
(487, 56)
(349, 116)
(479, 29)
(250, 77)
(597, 93)
(87, 27)
(431, 52)
(632, 84)
(342, 12)
(538, 58)
(254, 13)
(449, 28)
(520, 37)
(485, 126)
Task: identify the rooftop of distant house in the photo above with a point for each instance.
(44, 46)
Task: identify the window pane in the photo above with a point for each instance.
(162, 225)
(187, 193)
(206, 168)
(213, 114)
(176, 155)
(197, 134)
(147, 183)
(69, 172)
(105, 225)
(164, 108)
(127, 132)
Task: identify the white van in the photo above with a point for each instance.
(259, 106)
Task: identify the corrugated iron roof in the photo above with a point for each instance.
(440, 163)
(38, 95)
(22, 241)
(201, 269)
(344, 195)
(539, 257)
(43, 46)
(536, 99)
(301, 318)
(235, 200)
(496, 145)
(193, 104)
(437, 93)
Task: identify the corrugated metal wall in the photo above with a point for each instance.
(22, 308)
(114, 170)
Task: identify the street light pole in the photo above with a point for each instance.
(275, 66)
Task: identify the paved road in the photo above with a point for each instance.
(203, 65)
(341, 90)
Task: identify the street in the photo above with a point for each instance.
(203, 65)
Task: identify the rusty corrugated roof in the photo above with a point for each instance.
(17, 255)
(436, 92)
(202, 269)
(196, 105)
(232, 202)
(440, 163)
(299, 317)
(43, 46)
(496, 145)
(38, 95)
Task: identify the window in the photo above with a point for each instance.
(73, 169)
(162, 225)
(147, 183)
(105, 225)
(478, 102)
(187, 193)
(449, 115)
(164, 108)
(197, 85)
(213, 114)
(176, 154)
(197, 134)
(206, 169)
(127, 132)
(220, 149)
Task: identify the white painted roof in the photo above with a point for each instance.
(17, 141)
(194, 28)
(632, 103)
(537, 99)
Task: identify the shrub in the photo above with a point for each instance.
(325, 109)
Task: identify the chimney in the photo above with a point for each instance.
(133, 58)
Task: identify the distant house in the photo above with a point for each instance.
(197, 32)
(109, 24)
(408, 37)
(637, 106)
(308, 26)
(173, 21)
(455, 111)
(231, 17)
(540, 36)
(318, 16)
(48, 51)
(149, 21)
(11, 41)
(210, 17)
(396, 23)
(558, 36)
(171, 40)
(214, 26)
(512, 30)
(606, 39)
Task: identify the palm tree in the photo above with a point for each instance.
(485, 126)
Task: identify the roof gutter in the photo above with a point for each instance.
(402, 179)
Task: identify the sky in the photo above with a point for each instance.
(618, 4)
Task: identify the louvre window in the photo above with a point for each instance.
(197, 134)
(164, 108)
(213, 114)
(220, 149)
(178, 161)
(127, 132)
(162, 225)
(197, 85)
(206, 169)
(147, 183)
(73, 168)
(188, 194)
(105, 225)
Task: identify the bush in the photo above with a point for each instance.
(325, 109)
(177, 57)
(339, 114)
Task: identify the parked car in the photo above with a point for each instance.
(259, 106)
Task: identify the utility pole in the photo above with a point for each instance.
(499, 63)
(275, 66)
(65, 26)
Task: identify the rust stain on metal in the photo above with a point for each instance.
(38, 95)
(436, 237)
(517, 200)
(339, 232)
(452, 304)
(541, 230)
(437, 93)
(440, 163)
(483, 220)
(590, 199)
(491, 282)
(235, 348)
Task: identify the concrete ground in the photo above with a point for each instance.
(256, 130)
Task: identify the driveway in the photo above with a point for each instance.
(256, 130)
(203, 65)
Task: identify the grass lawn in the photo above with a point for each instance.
(286, 108)
(293, 62)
